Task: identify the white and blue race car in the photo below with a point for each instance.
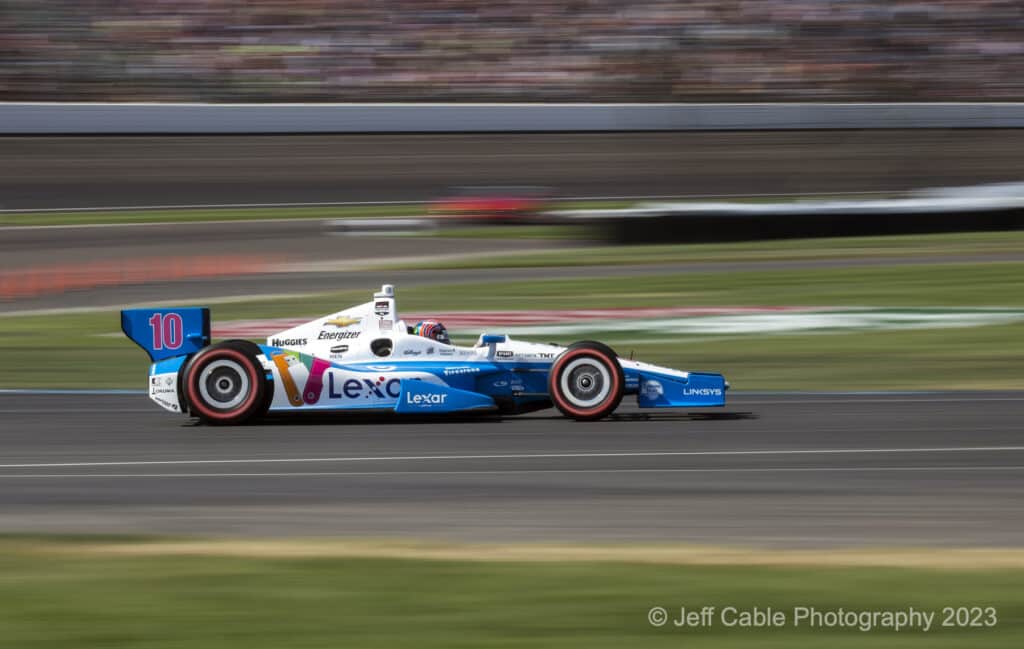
(366, 358)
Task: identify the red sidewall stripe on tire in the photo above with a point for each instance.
(195, 399)
(556, 381)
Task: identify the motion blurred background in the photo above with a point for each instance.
(861, 286)
(514, 50)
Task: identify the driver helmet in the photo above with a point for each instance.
(433, 330)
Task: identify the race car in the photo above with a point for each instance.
(366, 358)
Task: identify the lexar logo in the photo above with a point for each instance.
(382, 388)
(426, 399)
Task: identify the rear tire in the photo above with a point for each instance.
(226, 384)
(586, 381)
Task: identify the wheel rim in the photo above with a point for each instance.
(224, 384)
(585, 382)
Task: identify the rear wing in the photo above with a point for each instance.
(165, 333)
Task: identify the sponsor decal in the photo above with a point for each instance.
(338, 335)
(430, 350)
(450, 371)
(381, 308)
(702, 392)
(315, 382)
(412, 352)
(341, 322)
(288, 342)
(284, 369)
(652, 390)
(163, 391)
(386, 325)
(500, 384)
(446, 351)
(426, 399)
(339, 349)
(382, 388)
(165, 403)
(505, 354)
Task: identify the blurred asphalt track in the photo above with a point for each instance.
(74, 172)
(927, 469)
(821, 470)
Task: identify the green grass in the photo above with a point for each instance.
(204, 215)
(67, 599)
(85, 349)
(958, 245)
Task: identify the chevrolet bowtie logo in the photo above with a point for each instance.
(341, 322)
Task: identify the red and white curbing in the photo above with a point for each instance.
(31, 282)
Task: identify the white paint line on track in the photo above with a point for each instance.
(97, 411)
(357, 474)
(524, 456)
(201, 206)
(880, 400)
(70, 391)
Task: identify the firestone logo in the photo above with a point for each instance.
(449, 371)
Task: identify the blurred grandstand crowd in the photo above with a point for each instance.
(511, 50)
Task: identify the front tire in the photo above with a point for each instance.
(225, 384)
(586, 381)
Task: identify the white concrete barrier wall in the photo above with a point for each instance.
(71, 118)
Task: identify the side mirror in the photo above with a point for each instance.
(491, 339)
